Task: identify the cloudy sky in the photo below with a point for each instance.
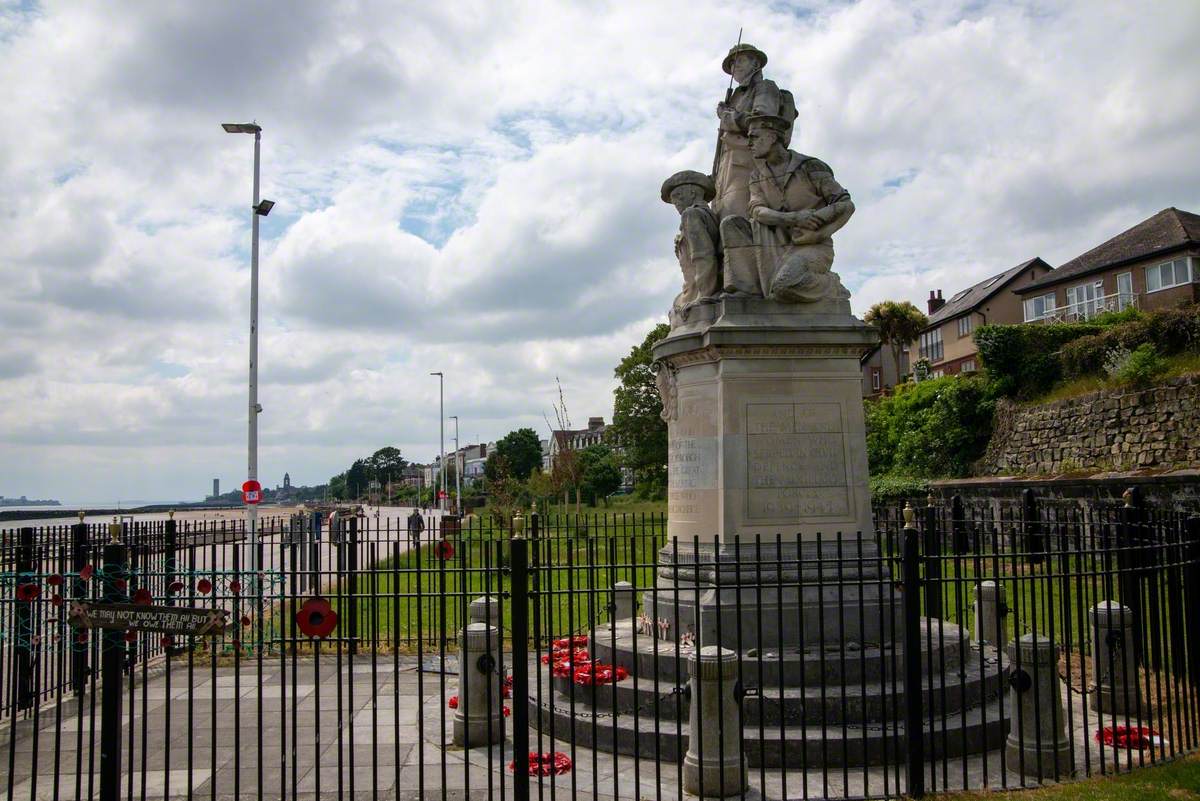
(473, 187)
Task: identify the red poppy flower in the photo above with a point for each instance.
(245, 620)
(81, 638)
(131, 636)
(578, 641)
(545, 764)
(121, 584)
(176, 587)
(452, 702)
(54, 580)
(87, 572)
(28, 592)
(57, 600)
(507, 712)
(143, 597)
(167, 641)
(599, 673)
(204, 586)
(316, 618)
(235, 586)
(1138, 737)
(445, 549)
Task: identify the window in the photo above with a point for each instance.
(969, 366)
(959, 296)
(965, 324)
(1124, 291)
(875, 379)
(938, 373)
(930, 346)
(1085, 300)
(1039, 307)
(1167, 275)
(991, 281)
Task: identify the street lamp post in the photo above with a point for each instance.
(258, 208)
(441, 438)
(457, 471)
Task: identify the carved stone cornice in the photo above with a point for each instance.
(713, 353)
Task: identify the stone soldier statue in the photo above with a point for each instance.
(784, 251)
(754, 95)
(697, 245)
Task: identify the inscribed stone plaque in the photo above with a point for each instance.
(796, 461)
(692, 456)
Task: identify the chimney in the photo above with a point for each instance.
(935, 302)
(595, 423)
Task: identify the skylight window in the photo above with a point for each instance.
(991, 281)
(960, 295)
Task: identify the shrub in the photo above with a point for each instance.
(1022, 360)
(933, 428)
(1142, 366)
(1084, 356)
(890, 487)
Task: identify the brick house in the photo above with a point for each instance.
(948, 341)
(1153, 265)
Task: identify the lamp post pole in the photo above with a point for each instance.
(457, 471)
(258, 208)
(441, 439)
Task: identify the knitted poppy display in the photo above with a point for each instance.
(28, 592)
(316, 618)
(143, 597)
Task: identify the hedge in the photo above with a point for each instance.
(1022, 360)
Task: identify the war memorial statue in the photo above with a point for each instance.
(772, 574)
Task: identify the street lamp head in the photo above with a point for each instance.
(438, 373)
(242, 127)
(264, 207)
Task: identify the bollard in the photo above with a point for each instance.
(1037, 742)
(1112, 660)
(714, 766)
(479, 718)
(485, 609)
(991, 615)
(624, 603)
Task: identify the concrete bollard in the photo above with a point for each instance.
(623, 601)
(1113, 662)
(1037, 742)
(991, 615)
(714, 726)
(479, 719)
(485, 609)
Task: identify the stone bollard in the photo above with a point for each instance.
(1113, 660)
(479, 720)
(623, 601)
(1037, 742)
(714, 726)
(991, 615)
(485, 609)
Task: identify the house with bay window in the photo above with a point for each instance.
(948, 341)
(1153, 265)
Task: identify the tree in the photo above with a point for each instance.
(640, 431)
(385, 465)
(600, 476)
(899, 323)
(540, 486)
(357, 479)
(520, 450)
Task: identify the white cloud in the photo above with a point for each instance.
(473, 187)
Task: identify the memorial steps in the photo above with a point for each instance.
(835, 708)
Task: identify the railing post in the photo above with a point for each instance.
(80, 548)
(112, 663)
(932, 546)
(350, 542)
(24, 621)
(958, 523)
(1191, 588)
(913, 728)
(519, 560)
(1034, 542)
(1129, 584)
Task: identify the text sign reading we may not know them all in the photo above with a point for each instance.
(142, 617)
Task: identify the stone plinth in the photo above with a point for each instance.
(767, 444)
(714, 766)
(1037, 743)
(1113, 662)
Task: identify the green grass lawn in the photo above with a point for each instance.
(1174, 781)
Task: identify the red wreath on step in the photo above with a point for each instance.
(545, 764)
(1131, 737)
(599, 673)
(316, 618)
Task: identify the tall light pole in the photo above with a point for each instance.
(258, 208)
(457, 471)
(441, 437)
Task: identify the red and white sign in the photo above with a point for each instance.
(441, 493)
(251, 492)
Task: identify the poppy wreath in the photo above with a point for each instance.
(578, 641)
(445, 549)
(28, 592)
(599, 673)
(316, 618)
(506, 692)
(545, 764)
(1138, 737)
(453, 702)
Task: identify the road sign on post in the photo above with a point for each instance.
(251, 492)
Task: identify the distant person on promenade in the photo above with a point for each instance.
(415, 526)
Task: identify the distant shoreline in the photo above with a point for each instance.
(25, 502)
(66, 511)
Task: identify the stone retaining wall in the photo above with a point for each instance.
(1111, 430)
